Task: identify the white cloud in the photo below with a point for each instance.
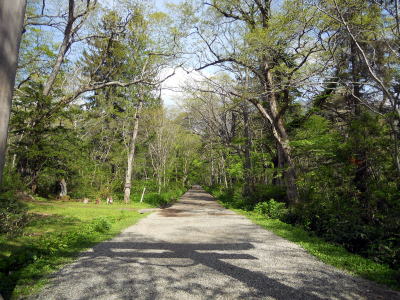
(172, 88)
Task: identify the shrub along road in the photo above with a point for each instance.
(196, 249)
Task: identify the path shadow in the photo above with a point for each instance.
(132, 270)
(207, 255)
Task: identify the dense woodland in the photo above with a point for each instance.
(294, 110)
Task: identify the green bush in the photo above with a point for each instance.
(168, 194)
(262, 192)
(155, 199)
(231, 197)
(163, 199)
(369, 227)
(11, 181)
(13, 215)
(271, 209)
(240, 202)
(101, 225)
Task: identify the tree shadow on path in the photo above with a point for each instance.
(206, 255)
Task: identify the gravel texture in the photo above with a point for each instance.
(196, 249)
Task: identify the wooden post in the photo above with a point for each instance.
(141, 199)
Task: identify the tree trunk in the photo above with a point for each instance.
(361, 175)
(212, 175)
(248, 186)
(159, 181)
(283, 141)
(11, 21)
(289, 175)
(185, 172)
(164, 174)
(62, 51)
(131, 155)
(63, 186)
(279, 132)
(279, 165)
(223, 171)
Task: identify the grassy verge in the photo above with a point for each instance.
(55, 234)
(328, 253)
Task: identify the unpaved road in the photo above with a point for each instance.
(198, 250)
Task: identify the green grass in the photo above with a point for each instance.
(329, 253)
(55, 234)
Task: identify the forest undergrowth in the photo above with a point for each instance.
(275, 216)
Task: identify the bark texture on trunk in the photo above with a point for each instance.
(212, 175)
(11, 22)
(248, 187)
(284, 154)
(63, 187)
(274, 117)
(131, 155)
(361, 176)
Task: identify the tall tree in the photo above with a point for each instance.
(275, 47)
(11, 22)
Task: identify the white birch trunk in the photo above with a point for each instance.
(131, 155)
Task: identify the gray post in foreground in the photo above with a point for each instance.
(11, 21)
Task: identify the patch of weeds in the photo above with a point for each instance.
(13, 216)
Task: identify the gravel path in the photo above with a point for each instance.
(196, 249)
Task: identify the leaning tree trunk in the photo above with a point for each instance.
(131, 155)
(283, 141)
(65, 45)
(281, 137)
(284, 149)
(11, 21)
